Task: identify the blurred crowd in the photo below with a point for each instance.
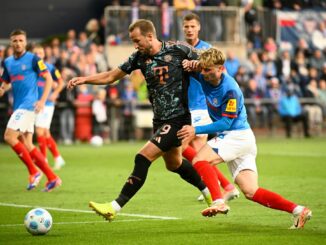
(268, 75)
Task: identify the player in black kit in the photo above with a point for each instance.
(167, 84)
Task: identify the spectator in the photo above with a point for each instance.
(92, 29)
(100, 122)
(291, 112)
(314, 111)
(257, 113)
(232, 63)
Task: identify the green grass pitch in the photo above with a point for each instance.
(165, 210)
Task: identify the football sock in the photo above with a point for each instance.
(189, 174)
(52, 145)
(40, 161)
(223, 180)
(209, 176)
(41, 140)
(135, 180)
(273, 200)
(189, 153)
(23, 154)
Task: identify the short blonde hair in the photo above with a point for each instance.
(212, 57)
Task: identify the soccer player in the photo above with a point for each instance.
(199, 116)
(44, 118)
(20, 73)
(235, 142)
(161, 64)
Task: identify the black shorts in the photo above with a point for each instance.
(165, 132)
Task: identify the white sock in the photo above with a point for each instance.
(116, 206)
(298, 209)
(205, 192)
(218, 201)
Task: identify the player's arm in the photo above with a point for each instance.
(4, 88)
(39, 105)
(107, 77)
(60, 85)
(5, 78)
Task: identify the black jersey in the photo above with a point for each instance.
(167, 83)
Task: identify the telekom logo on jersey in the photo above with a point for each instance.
(16, 78)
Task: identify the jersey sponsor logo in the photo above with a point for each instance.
(17, 78)
(41, 65)
(231, 105)
(162, 73)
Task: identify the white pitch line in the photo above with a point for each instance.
(80, 222)
(87, 211)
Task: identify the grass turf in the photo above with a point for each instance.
(293, 168)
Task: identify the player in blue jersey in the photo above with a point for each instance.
(211, 175)
(44, 118)
(20, 74)
(161, 65)
(235, 142)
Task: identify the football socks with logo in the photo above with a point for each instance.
(135, 180)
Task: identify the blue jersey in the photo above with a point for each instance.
(225, 106)
(22, 73)
(196, 96)
(41, 82)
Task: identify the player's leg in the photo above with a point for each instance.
(247, 181)
(210, 179)
(41, 139)
(11, 137)
(135, 181)
(175, 163)
(40, 161)
(59, 162)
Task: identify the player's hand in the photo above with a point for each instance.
(190, 65)
(38, 106)
(2, 92)
(187, 133)
(75, 81)
(53, 97)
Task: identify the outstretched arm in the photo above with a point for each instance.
(107, 77)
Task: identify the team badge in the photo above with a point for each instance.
(215, 101)
(167, 58)
(231, 105)
(24, 67)
(148, 61)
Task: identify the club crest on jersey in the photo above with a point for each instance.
(148, 61)
(23, 67)
(231, 105)
(167, 58)
(215, 101)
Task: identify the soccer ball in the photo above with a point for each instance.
(96, 141)
(38, 221)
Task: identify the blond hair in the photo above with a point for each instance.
(212, 57)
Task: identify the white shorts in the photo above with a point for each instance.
(44, 118)
(200, 118)
(22, 120)
(238, 150)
